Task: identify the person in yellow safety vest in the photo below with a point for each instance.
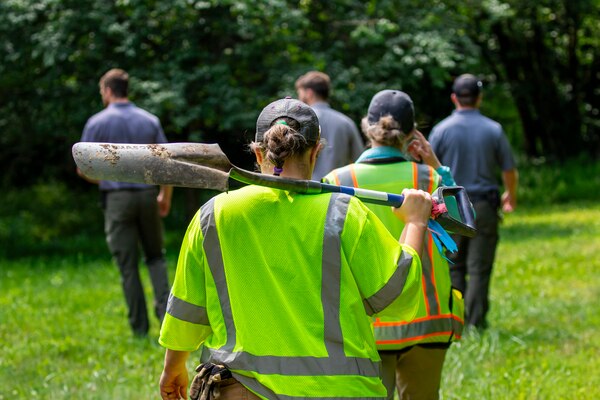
(278, 287)
(412, 347)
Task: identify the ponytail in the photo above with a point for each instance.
(386, 132)
(281, 142)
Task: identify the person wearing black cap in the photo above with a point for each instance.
(412, 346)
(476, 148)
(278, 287)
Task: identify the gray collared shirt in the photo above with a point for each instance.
(474, 147)
(123, 123)
(344, 142)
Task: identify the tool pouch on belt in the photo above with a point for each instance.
(206, 384)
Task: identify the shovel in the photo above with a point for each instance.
(205, 166)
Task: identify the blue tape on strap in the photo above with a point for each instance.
(441, 238)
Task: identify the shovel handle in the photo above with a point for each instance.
(366, 195)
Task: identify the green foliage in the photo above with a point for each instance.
(543, 184)
(548, 53)
(542, 340)
(40, 217)
(206, 68)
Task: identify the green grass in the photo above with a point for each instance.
(543, 341)
(64, 332)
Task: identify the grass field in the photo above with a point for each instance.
(64, 332)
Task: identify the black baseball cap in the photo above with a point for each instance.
(467, 85)
(290, 108)
(395, 103)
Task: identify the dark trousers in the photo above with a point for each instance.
(131, 218)
(472, 268)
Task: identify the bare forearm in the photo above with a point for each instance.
(413, 235)
(509, 197)
(511, 180)
(175, 358)
(166, 192)
(164, 200)
(174, 379)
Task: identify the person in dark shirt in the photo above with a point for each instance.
(475, 148)
(132, 211)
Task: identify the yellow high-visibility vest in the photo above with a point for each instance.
(440, 315)
(281, 287)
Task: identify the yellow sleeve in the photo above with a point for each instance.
(186, 323)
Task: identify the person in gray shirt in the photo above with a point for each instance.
(132, 211)
(343, 142)
(476, 149)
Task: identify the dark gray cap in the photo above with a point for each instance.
(395, 103)
(467, 85)
(290, 108)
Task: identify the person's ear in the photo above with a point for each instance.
(454, 99)
(259, 155)
(315, 152)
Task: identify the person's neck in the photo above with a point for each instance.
(466, 108)
(292, 169)
(314, 101)
(119, 100)
(296, 170)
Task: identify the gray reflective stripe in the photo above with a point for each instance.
(331, 275)
(336, 363)
(415, 330)
(424, 177)
(392, 289)
(458, 327)
(428, 278)
(295, 366)
(345, 177)
(185, 311)
(263, 391)
(212, 249)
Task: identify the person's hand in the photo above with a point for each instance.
(416, 207)
(164, 207)
(174, 383)
(164, 204)
(420, 149)
(509, 203)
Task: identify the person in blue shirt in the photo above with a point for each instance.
(132, 211)
(476, 150)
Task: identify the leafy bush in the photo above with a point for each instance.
(43, 216)
(544, 183)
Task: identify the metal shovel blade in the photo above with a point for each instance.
(195, 165)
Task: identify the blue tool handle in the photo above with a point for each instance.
(367, 196)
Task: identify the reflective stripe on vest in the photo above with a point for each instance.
(435, 325)
(337, 363)
(421, 328)
(186, 311)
